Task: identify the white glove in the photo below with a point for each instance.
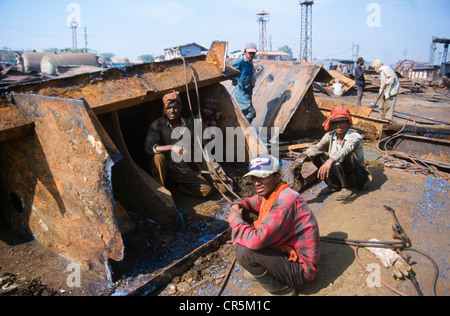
(390, 258)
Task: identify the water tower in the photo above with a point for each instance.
(262, 18)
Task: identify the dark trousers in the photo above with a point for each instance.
(189, 181)
(348, 174)
(359, 91)
(276, 263)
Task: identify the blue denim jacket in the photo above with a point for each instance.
(245, 79)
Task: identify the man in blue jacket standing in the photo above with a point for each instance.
(245, 82)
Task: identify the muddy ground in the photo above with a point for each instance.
(420, 202)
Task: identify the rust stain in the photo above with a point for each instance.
(282, 97)
(116, 89)
(61, 175)
(57, 158)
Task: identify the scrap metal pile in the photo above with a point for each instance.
(71, 149)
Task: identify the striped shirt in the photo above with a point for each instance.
(290, 222)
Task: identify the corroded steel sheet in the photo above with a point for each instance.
(217, 54)
(431, 150)
(329, 104)
(12, 123)
(118, 88)
(280, 89)
(134, 188)
(360, 115)
(60, 180)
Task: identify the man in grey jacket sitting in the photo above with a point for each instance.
(338, 156)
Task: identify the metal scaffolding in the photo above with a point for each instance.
(74, 26)
(446, 42)
(306, 31)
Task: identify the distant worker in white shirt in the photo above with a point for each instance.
(389, 88)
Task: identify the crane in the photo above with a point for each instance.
(444, 41)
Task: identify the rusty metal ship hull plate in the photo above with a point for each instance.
(280, 89)
(430, 150)
(118, 88)
(61, 176)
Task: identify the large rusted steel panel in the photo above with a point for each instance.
(59, 181)
(432, 151)
(217, 54)
(119, 88)
(283, 97)
(57, 159)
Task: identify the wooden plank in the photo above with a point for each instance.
(295, 146)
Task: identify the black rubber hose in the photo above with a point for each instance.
(436, 267)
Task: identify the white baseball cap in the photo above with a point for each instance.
(263, 166)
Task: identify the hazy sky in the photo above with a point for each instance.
(386, 29)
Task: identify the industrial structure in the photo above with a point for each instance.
(306, 31)
(262, 18)
(444, 41)
(74, 26)
(85, 40)
(355, 52)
